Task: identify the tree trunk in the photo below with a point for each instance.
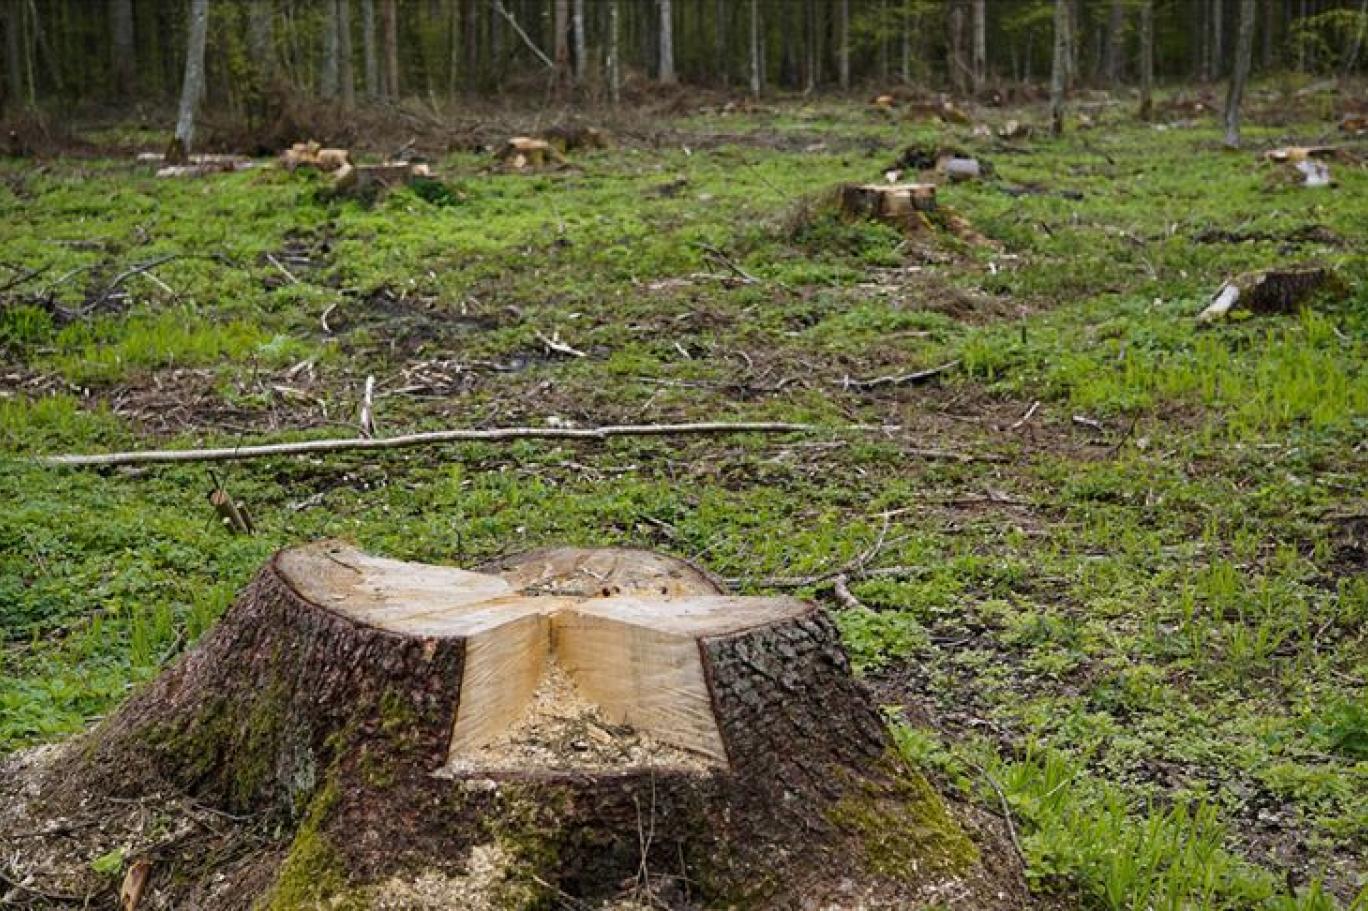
(1218, 38)
(328, 65)
(905, 41)
(1146, 59)
(370, 59)
(1116, 25)
(261, 40)
(1244, 52)
(586, 715)
(581, 42)
(614, 61)
(1361, 26)
(123, 47)
(389, 38)
(1270, 24)
(1059, 68)
(560, 40)
(754, 44)
(667, 66)
(980, 51)
(11, 18)
(843, 45)
(959, 66)
(345, 70)
(720, 10)
(192, 87)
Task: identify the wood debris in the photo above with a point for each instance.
(1269, 291)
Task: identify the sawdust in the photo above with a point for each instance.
(561, 730)
(486, 870)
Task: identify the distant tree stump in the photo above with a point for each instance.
(894, 204)
(576, 722)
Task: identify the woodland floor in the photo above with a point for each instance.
(1133, 592)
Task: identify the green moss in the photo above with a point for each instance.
(904, 827)
(312, 874)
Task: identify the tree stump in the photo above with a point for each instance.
(581, 723)
(894, 204)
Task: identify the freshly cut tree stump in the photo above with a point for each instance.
(891, 203)
(582, 723)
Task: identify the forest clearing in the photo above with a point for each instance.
(1062, 438)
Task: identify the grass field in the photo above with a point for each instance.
(1129, 550)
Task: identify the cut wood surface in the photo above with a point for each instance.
(893, 203)
(637, 656)
(493, 435)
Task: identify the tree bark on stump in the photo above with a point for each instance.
(371, 706)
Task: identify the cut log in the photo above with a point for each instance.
(570, 717)
(1268, 291)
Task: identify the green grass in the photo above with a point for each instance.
(1150, 636)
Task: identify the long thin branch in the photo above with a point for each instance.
(541, 55)
(496, 435)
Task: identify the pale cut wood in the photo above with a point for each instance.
(637, 656)
(648, 678)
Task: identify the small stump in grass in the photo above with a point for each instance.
(581, 723)
(894, 204)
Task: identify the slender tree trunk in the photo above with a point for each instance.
(755, 48)
(560, 39)
(327, 74)
(581, 42)
(720, 10)
(345, 69)
(1146, 59)
(667, 65)
(959, 68)
(14, 55)
(843, 45)
(121, 43)
(370, 60)
(906, 49)
(1270, 24)
(261, 39)
(192, 88)
(1059, 69)
(1351, 58)
(1217, 38)
(614, 61)
(980, 52)
(1244, 52)
(1116, 24)
(389, 34)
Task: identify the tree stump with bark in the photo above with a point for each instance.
(569, 723)
(894, 204)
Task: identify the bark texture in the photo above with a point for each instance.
(192, 87)
(294, 711)
(1244, 52)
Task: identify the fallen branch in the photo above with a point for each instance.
(129, 273)
(902, 379)
(496, 435)
(554, 343)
